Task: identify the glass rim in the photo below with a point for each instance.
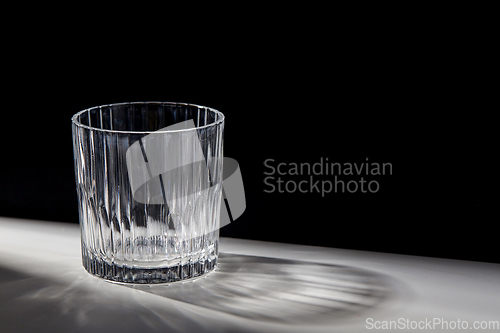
(79, 124)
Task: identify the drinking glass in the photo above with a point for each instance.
(149, 183)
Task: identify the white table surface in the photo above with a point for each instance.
(258, 287)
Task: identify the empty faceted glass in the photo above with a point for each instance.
(149, 183)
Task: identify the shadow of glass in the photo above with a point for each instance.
(251, 288)
(279, 290)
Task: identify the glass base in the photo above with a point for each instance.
(122, 273)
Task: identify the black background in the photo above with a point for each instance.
(289, 97)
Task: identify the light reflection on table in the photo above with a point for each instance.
(258, 287)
